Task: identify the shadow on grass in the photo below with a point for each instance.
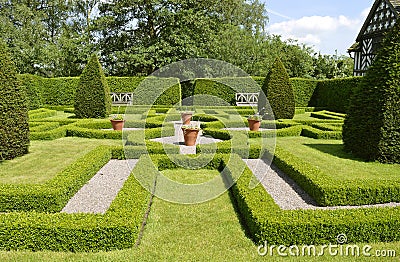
(228, 181)
(336, 150)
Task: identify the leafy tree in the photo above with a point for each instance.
(278, 92)
(138, 37)
(14, 129)
(372, 127)
(92, 97)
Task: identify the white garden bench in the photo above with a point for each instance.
(121, 98)
(246, 99)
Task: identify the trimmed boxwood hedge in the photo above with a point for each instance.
(54, 194)
(92, 97)
(158, 91)
(14, 129)
(221, 91)
(118, 228)
(277, 93)
(335, 94)
(372, 127)
(329, 192)
(266, 222)
(33, 89)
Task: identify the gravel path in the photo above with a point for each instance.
(177, 139)
(286, 193)
(244, 128)
(96, 196)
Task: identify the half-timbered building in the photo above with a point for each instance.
(381, 18)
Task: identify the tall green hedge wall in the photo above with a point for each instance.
(331, 94)
(372, 127)
(14, 129)
(334, 94)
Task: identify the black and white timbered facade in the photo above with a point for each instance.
(381, 18)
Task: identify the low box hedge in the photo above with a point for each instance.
(329, 192)
(118, 228)
(317, 133)
(53, 195)
(266, 222)
(41, 113)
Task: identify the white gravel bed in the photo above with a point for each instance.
(96, 196)
(124, 129)
(244, 128)
(177, 139)
(286, 193)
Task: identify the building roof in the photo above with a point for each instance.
(394, 6)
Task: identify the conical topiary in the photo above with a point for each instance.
(92, 96)
(14, 128)
(372, 126)
(279, 92)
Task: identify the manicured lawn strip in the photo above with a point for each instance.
(190, 176)
(42, 126)
(330, 190)
(46, 159)
(118, 228)
(342, 165)
(316, 133)
(267, 222)
(41, 113)
(53, 195)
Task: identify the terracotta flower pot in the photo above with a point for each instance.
(190, 136)
(117, 124)
(254, 125)
(186, 117)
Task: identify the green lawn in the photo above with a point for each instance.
(46, 159)
(329, 156)
(209, 231)
(186, 176)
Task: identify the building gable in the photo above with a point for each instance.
(381, 18)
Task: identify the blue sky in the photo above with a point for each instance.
(326, 25)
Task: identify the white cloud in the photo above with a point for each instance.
(324, 33)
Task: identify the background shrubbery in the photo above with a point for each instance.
(14, 129)
(330, 94)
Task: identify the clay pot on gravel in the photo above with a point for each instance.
(190, 135)
(117, 124)
(254, 125)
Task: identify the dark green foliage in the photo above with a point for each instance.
(221, 91)
(14, 129)
(59, 91)
(33, 89)
(279, 92)
(92, 97)
(158, 91)
(303, 90)
(372, 126)
(334, 94)
(123, 84)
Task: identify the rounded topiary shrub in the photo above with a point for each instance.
(14, 129)
(92, 96)
(278, 91)
(372, 126)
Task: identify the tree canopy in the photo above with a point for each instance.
(135, 37)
